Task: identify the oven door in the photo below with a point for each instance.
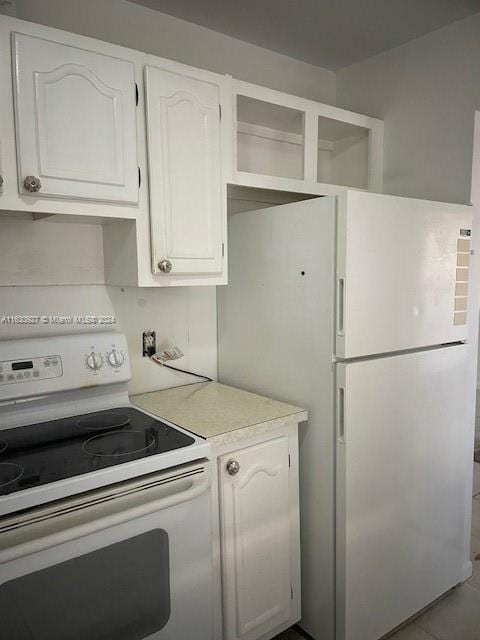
(128, 562)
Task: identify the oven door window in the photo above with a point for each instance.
(119, 591)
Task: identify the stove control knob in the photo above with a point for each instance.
(94, 361)
(115, 359)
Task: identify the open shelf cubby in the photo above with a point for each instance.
(343, 153)
(270, 139)
(287, 143)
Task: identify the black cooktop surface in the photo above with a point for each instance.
(50, 451)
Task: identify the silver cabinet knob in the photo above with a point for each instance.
(165, 266)
(32, 184)
(233, 467)
(1, 182)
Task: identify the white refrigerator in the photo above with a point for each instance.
(355, 307)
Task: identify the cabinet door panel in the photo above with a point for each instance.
(75, 119)
(185, 172)
(256, 535)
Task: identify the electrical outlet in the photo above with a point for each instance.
(149, 344)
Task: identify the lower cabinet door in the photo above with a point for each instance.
(256, 539)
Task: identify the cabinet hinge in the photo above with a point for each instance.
(139, 178)
(220, 111)
(136, 94)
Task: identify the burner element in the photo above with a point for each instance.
(3, 446)
(103, 421)
(118, 443)
(9, 473)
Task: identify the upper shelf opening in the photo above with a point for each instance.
(270, 138)
(267, 114)
(343, 153)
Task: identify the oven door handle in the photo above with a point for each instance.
(61, 529)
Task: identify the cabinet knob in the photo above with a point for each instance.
(233, 467)
(32, 184)
(165, 266)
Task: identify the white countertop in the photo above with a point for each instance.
(218, 412)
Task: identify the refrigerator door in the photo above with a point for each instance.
(403, 457)
(402, 273)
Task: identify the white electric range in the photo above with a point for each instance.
(105, 511)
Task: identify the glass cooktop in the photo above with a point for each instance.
(50, 451)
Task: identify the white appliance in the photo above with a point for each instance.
(105, 527)
(355, 308)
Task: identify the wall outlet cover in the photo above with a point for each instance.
(149, 343)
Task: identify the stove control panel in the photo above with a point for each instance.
(73, 362)
(31, 369)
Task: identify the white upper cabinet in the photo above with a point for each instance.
(75, 122)
(288, 143)
(187, 198)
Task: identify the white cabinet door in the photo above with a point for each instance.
(183, 125)
(256, 539)
(75, 121)
(402, 273)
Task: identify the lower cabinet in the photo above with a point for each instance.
(259, 533)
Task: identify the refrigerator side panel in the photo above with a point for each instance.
(402, 465)
(276, 332)
(402, 273)
(341, 501)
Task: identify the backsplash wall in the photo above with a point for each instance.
(185, 316)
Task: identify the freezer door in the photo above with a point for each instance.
(403, 460)
(402, 273)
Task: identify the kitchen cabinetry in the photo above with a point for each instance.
(75, 122)
(183, 243)
(255, 503)
(187, 200)
(76, 115)
(258, 535)
(72, 136)
(288, 143)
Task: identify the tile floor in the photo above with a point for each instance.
(457, 616)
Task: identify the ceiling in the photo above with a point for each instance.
(328, 33)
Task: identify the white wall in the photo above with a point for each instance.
(47, 251)
(182, 315)
(426, 91)
(27, 249)
(137, 27)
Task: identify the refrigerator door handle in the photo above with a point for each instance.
(341, 306)
(341, 415)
